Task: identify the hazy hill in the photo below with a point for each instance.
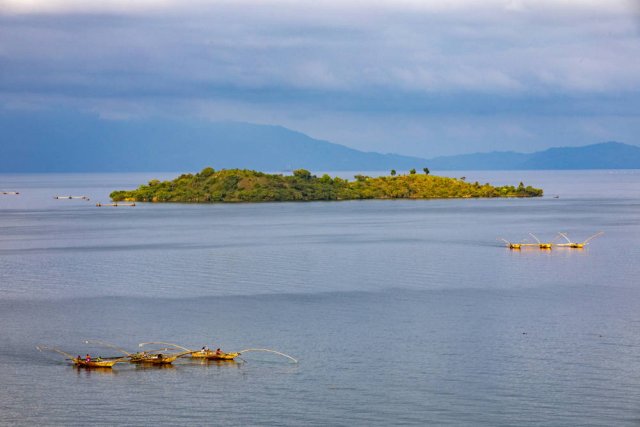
(71, 142)
(606, 155)
(84, 143)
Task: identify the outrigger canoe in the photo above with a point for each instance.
(154, 359)
(212, 355)
(147, 358)
(83, 363)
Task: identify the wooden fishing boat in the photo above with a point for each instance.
(576, 245)
(142, 357)
(212, 355)
(155, 359)
(81, 362)
(98, 363)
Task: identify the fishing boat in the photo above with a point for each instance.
(81, 362)
(98, 363)
(540, 245)
(155, 359)
(214, 355)
(148, 358)
(576, 245)
(512, 245)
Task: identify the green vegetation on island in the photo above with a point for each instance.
(237, 185)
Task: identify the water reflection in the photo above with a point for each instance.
(89, 372)
(144, 366)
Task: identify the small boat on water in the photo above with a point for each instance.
(156, 357)
(576, 245)
(97, 363)
(214, 355)
(85, 362)
(71, 197)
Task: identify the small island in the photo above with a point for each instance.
(241, 185)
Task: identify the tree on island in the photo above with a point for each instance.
(393, 172)
(412, 171)
(207, 172)
(302, 173)
(426, 171)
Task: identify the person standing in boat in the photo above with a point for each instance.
(88, 358)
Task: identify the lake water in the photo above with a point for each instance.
(400, 312)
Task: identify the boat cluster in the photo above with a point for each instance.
(159, 357)
(71, 197)
(548, 245)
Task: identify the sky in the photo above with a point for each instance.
(422, 78)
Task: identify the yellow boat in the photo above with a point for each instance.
(212, 355)
(222, 356)
(83, 363)
(576, 245)
(570, 245)
(143, 357)
(540, 244)
(155, 359)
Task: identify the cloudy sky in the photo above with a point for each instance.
(413, 77)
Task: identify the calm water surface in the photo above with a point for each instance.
(401, 312)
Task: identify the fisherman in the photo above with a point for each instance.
(205, 349)
(88, 358)
(219, 352)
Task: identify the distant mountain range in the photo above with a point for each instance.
(606, 155)
(69, 142)
(83, 143)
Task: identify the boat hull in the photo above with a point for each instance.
(223, 356)
(211, 355)
(155, 360)
(80, 363)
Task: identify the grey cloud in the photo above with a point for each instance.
(342, 61)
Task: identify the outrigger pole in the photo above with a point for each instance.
(42, 348)
(599, 233)
(142, 344)
(106, 344)
(269, 351)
